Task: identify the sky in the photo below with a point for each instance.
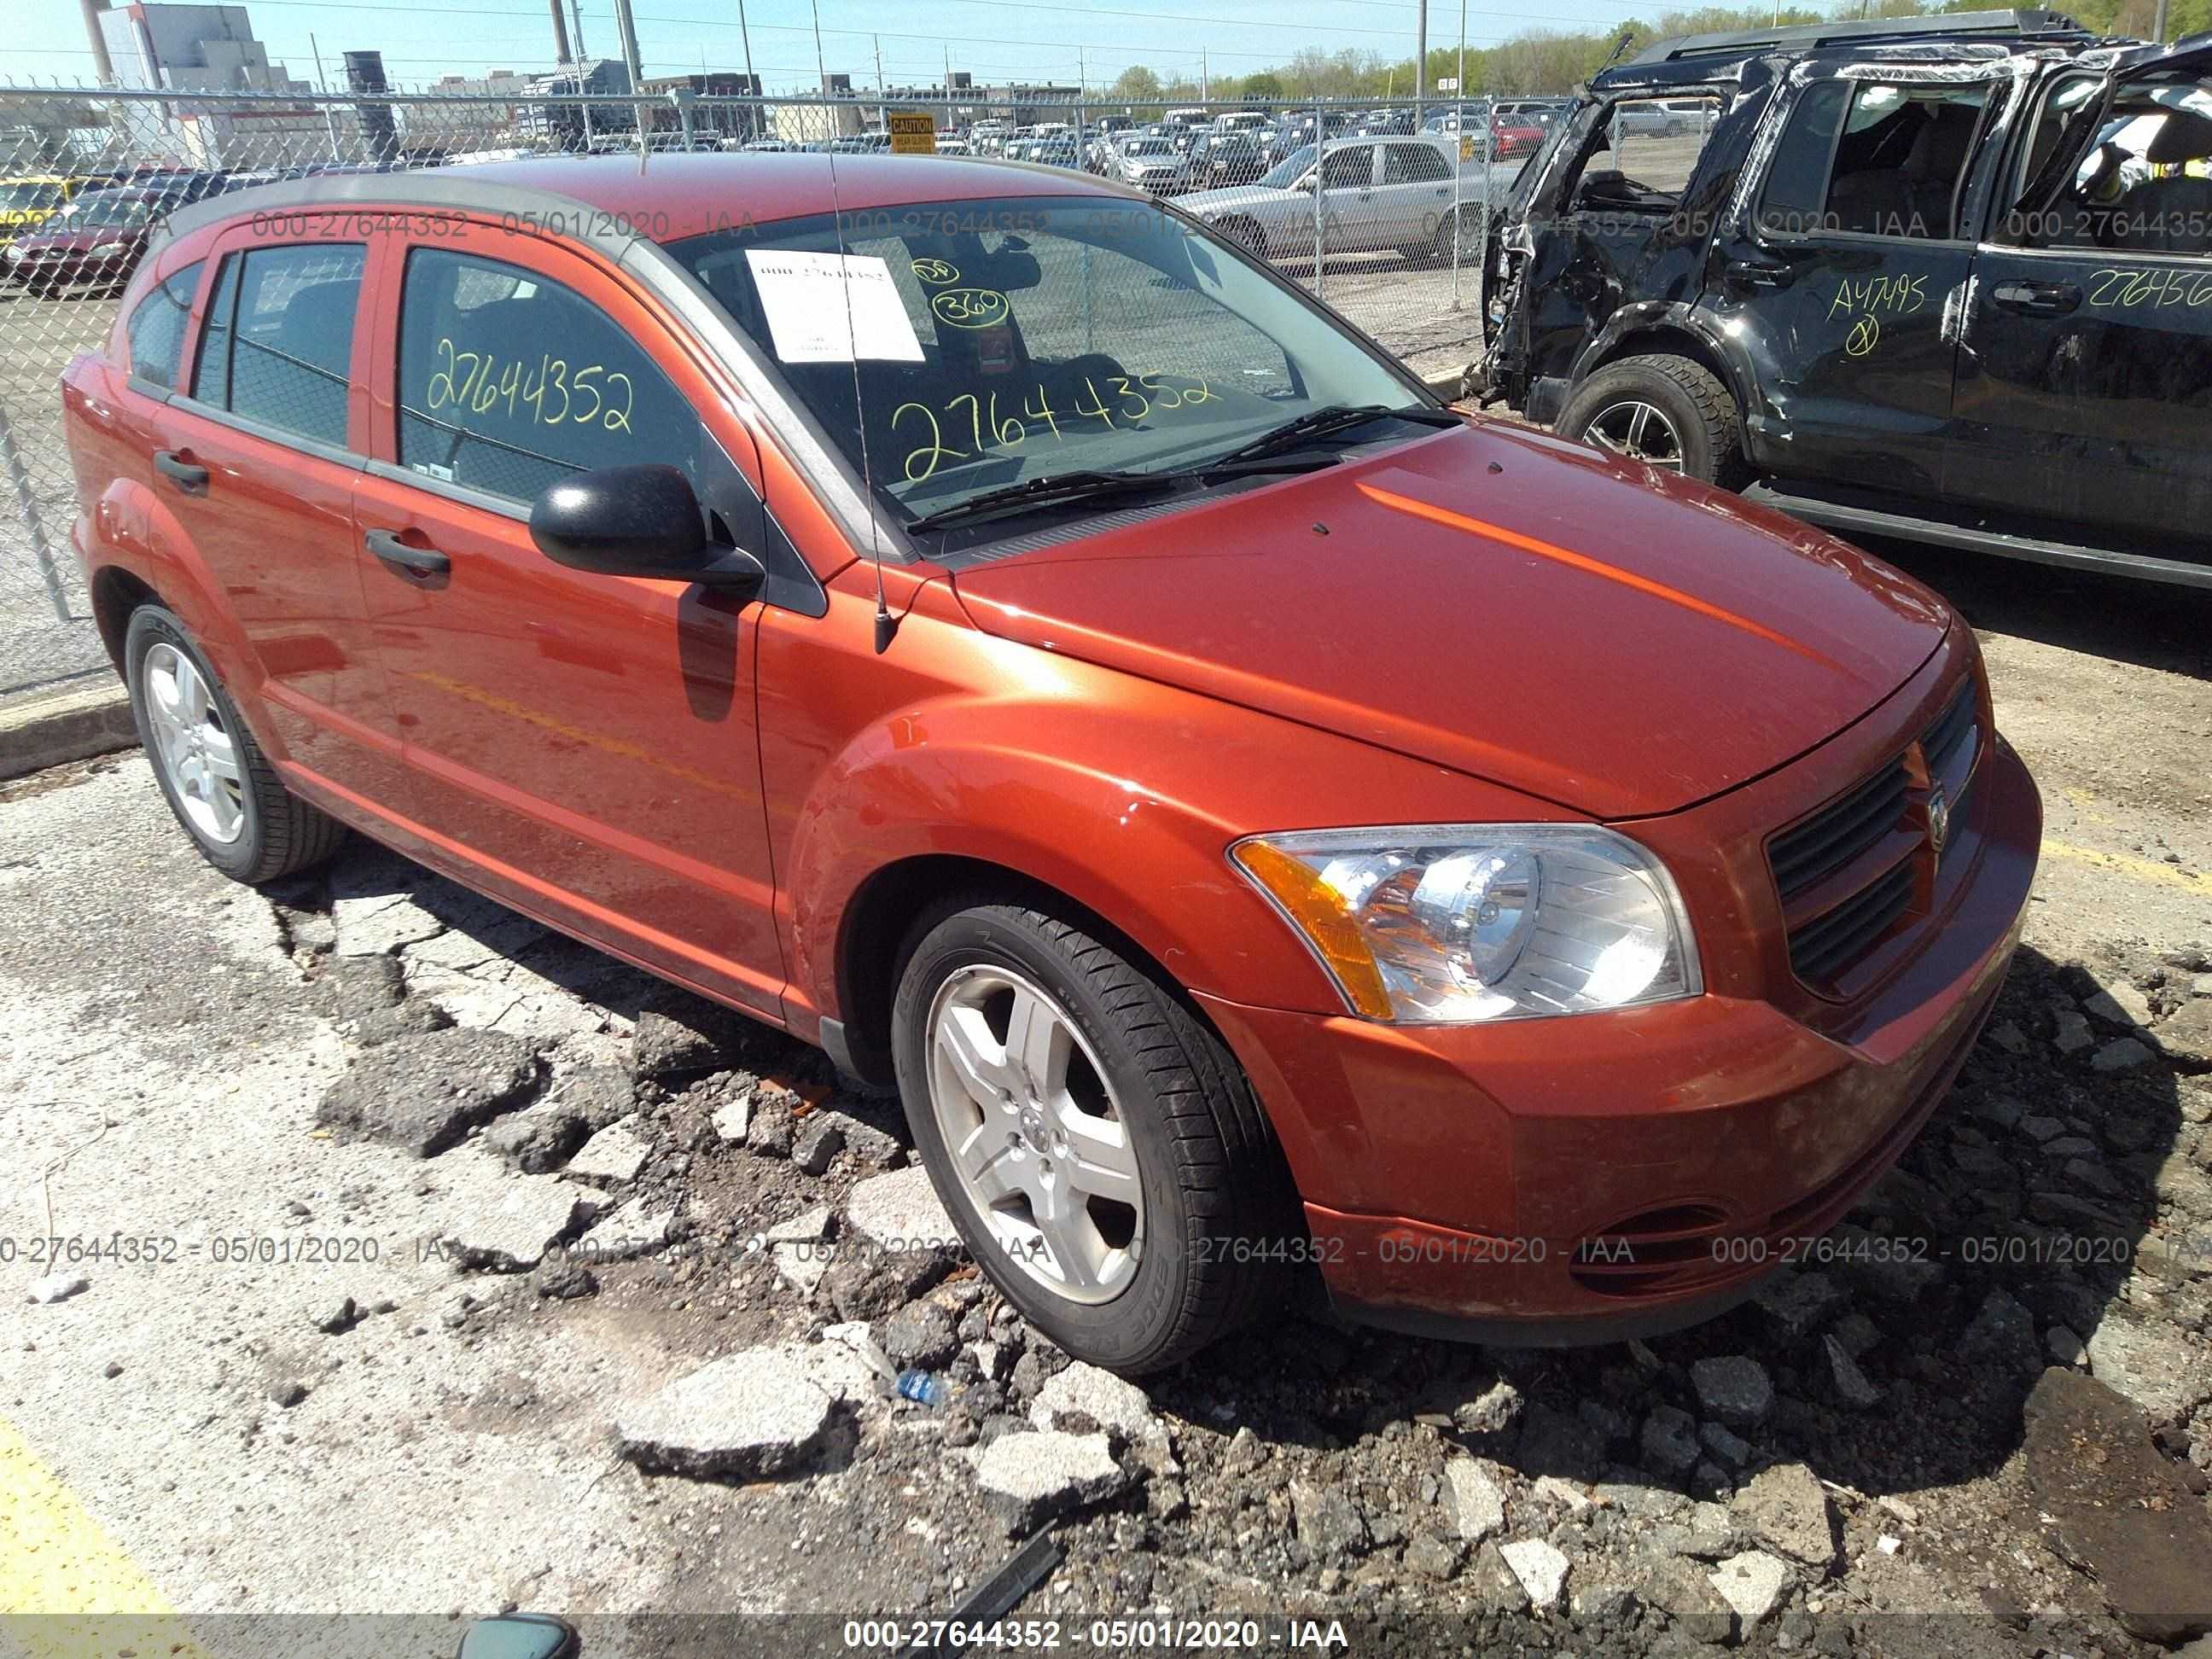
(996, 41)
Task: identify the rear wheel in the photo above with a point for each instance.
(1099, 1149)
(1458, 236)
(211, 772)
(1666, 411)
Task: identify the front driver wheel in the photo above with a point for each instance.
(1665, 411)
(213, 775)
(1099, 1149)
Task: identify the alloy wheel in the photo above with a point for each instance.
(1638, 430)
(1034, 1134)
(193, 748)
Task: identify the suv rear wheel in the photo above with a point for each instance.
(213, 775)
(1097, 1147)
(1666, 411)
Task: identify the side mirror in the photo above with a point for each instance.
(636, 521)
(520, 1636)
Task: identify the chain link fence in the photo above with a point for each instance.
(1389, 229)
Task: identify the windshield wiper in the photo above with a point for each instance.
(1039, 492)
(1329, 417)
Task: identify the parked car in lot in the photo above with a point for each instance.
(96, 240)
(1945, 278)
(935, 673)
(1218, 160)
(28, 200)
(1150, 163)
(1412, 195)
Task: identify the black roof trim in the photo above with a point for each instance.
(1811, 37)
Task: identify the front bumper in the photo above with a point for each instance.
(1599, 1177)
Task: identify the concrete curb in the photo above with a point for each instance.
(66, 725)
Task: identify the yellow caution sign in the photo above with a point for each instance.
(914, 135)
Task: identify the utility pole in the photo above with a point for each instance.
(1205, 80)
(106, 67)
(757, 124)
(882, 123)
(2158, 29)
(576, 15)
(329, 116)
(626, 26)
(1420, 62)
(559, 35)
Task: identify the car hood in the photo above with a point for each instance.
(1236, 198)
(1495, 600)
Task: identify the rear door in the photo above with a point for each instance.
(1838, 267)
(257, 458)
(2085, 372)
(1415, 191)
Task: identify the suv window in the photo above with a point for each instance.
(1902, 158)
(1794, 202)
(279, 338)
(2145, 185)
(509, 382)
(156, 329)
(1412, 164)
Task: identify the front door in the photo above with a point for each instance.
(256, 457)
(1837, 281)
(2085, 372)
(582, 743)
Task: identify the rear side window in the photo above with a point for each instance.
(279, 338)
(1412, 164)
(509, 382)
(156, 329)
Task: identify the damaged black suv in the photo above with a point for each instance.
(1948, 278)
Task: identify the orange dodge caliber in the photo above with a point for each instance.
(976, 620)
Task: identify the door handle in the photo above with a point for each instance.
(2037, 299)
(187, 476)
(1761, 273)
(396, 555)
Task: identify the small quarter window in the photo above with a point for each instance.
(156, 329)
(1794, 200)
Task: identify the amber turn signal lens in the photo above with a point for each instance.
(1317, 910)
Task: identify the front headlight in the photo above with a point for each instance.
(103, 249)
(1450, 924)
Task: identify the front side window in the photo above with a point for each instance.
(1010, 341)
(278, 346)
(509, 382)
(2143, 184)
(1352, 168)
(156, 329)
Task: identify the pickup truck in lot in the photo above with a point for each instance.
(1948, 278)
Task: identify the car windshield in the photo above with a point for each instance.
(1010, 341)
(100, 210)
(1287, 172)
(24, 195)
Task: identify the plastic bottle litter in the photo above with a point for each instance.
(925, 1388)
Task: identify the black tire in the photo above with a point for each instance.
(1209, 1169)
(1706, 427)
(1462, 230)
(281, 835)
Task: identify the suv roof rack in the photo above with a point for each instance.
(1808, 37)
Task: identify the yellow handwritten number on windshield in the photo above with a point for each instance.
(969, 307)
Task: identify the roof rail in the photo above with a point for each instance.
(1969, 25)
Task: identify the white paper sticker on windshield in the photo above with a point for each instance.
(832, 307)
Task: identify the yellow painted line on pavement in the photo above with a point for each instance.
(67, 1589)
(2134, 868)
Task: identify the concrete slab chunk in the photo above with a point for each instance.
(760, 1413)
(615, 1154)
